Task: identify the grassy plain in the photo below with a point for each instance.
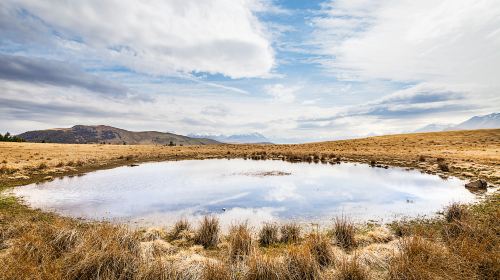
(463, 244)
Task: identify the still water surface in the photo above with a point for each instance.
(239, 190)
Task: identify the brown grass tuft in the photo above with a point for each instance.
(455, 212)
(344, 231)
(262, 267)
(214, 270)
(207, 234)
(290, 233)
(320, 248)
(180, 226)
(240, 242)
(300, 264)
(351, 270)
(105, 252)
(422, 259)
(268, 234)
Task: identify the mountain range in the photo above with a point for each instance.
(84, 134)
(477, 122)
(250, 138)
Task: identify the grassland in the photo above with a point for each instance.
(463, 244)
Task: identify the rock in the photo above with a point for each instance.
(477, 185)
(48, 178)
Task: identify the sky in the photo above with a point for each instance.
(295, 71)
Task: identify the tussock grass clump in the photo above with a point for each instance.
(351, 269)
(475, 240)
(290, 233)
(158, 270)
(180, 226)
(320, 248)
(422, 259)
(300, 264)
(240, 242)
(344, 231)
(214, 270)
(455, 212)
(207, 234)
(105, 252)
(262, 267)
(268, 234)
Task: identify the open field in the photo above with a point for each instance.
(463, 244)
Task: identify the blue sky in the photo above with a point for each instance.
(294, 71)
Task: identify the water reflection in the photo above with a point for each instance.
(236, 190)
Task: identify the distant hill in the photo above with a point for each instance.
(83, 134)
(478, 122)
(251, 138)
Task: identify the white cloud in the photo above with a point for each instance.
(282, 93)
(159, 37)
(446, 41)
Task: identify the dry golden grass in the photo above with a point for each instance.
(466, 153)
(462, 245)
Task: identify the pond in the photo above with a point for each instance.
(157, 194)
